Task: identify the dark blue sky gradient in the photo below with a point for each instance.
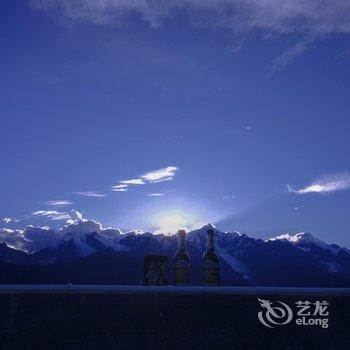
(84, 106)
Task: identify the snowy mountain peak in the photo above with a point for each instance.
(305, 237)
(305, 240)
(88, 226)
(243, 259)
(88, 235)
(80, 240)
(296, 238)
(302, 238)
(208, 226)
(136, 232)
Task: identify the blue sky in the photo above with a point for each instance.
(224, 113)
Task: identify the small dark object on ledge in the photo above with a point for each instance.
(155, 270)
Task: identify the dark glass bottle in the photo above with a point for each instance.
(210, 262)
(181, 262)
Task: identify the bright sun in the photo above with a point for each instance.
(171, 223)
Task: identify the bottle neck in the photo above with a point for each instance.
(210, 241)
(181, 240)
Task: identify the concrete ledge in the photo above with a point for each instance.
(137, 317)
(28, 288)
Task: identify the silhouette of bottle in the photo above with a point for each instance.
(181, 261)
(210, 262)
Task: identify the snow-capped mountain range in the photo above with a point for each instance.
(84, 252)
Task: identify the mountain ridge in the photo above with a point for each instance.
(284, 260)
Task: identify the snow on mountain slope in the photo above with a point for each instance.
(198, 236)
(235, 264)
(84, 232)
(224, 241)
(297, 259)
(303, 239)
(242, 254)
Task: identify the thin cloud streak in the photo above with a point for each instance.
(59, 203)
(132, 182)
(119, 189)
(52, 214)
(151, 177)
(326, 184)
(94, 194)
(120, 186)
(160, 175)
(306, 20)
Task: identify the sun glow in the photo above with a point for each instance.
(172, 222)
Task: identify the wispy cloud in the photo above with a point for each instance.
(326, 184)
(240, 129)
(59, 203)
(120, 188)
(9, 220)
(165, 174)
(297, 49)
(114, 189)
(124, 185)
(155, 194)
(132, 182)
(151, 177)
(52, 214)
(95, 194)
(228, 197)
(306, 20)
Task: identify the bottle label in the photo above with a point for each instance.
(210, 273)
(181, 264)
(181, 272)
(210, 264)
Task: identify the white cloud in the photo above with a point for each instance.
(94, 194)
(9, 220)
(326, 184)
(119, 189)
(52, 214)
(124, 185)
(308, 20)
(160, 175)
(155, 194)
(132, 182)
(59, 203)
